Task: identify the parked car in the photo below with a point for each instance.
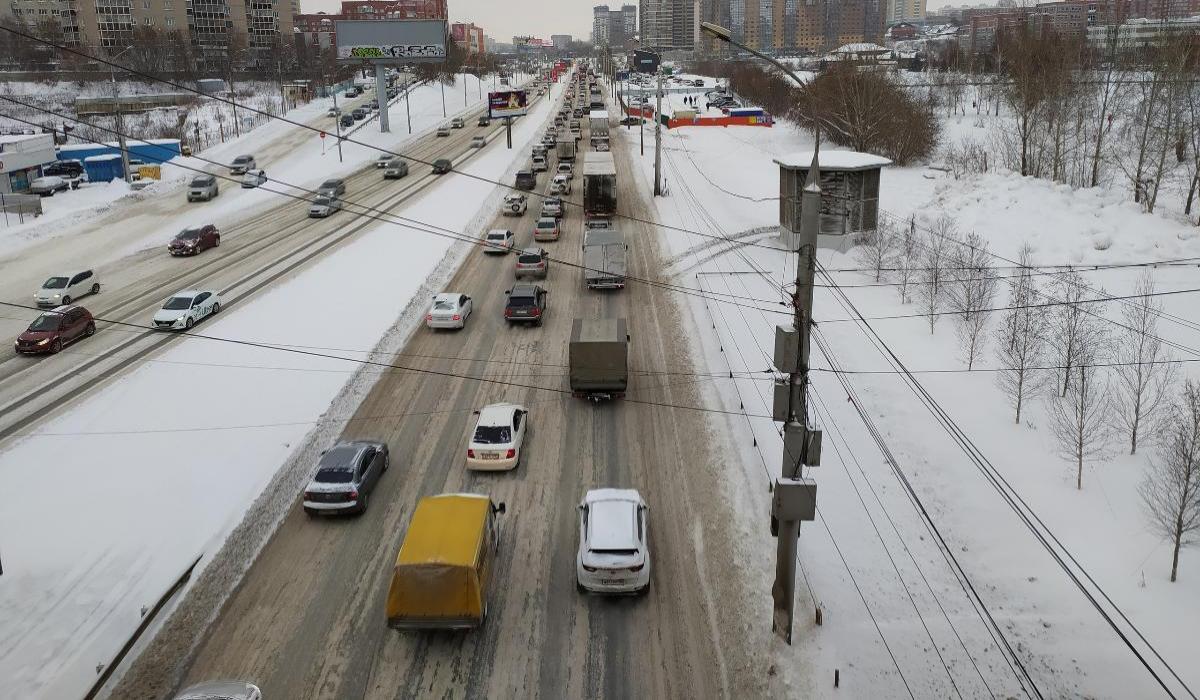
(631, 121)
(53, 330)
(334, 111)
(323, 206)
(395, 168)
(61, 290)
(478, 142)
(443, 130)
(254, 178)
(449, 310)
(359, 114)
(526, 180)
(532, 262)
(185, 308)
(346, 476)
(614, 537)
(191, 241)
(221, 690)
(484, 121)
(47, 185)
(441, 166)
(333, 187)
(347, 120)
(70, 170)
(514, 205)
(383, 159)
(203, 188)
(546, 229)
(526, 304)
(498, 240)
(561, 184)
(498, 437)
(457, 123)
(552, 206)
(241, 164)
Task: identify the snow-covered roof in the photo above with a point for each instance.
(835, 160)
(104, 156)
(13, 138)
(859, 48)
(598, 114)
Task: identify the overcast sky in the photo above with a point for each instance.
(504, 19)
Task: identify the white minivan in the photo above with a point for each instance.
(61, 290)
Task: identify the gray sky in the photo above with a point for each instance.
(504, 19)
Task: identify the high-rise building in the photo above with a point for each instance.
(601, 23)
(905, 11)
(562, 42)
(614, 27)
(668, 25)
(790, 26)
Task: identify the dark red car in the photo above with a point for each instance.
(52, 330)
(193, 240)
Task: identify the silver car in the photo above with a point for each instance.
(552, 206)
(333, 187)
(221, 690)
(202, 188)
(395, 169)
(346, 475)
(323, 206)
(241, 164)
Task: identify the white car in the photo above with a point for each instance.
(614, 552)
(565, 169)
(185, 308)
(221, 690)
(61, 290)
(254, 178)
(478, 142)
(561, 184)
(449, 310)
(498, 437)
(46, 186)
(498, 240)
(383, 160)
(514, 205)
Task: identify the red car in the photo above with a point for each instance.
(52, 330)
(193, 240)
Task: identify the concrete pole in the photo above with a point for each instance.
(407, 94)
(380, 98)
(337, 122)
(658, 139)
(443, 86)
(120, 122)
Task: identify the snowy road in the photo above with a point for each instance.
(307, 621)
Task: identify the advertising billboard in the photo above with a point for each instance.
(398, 41)
(458, 32)
(507, 103)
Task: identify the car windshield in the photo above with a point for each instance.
(542, 223)
(177, 303)
(443, 305)
(321, 202)
(529, 258)
(189, 234)
(492, 434)
(330, 184)
(242, 159)
(200, 182)
(520, 302)
(55, 283)
(45, 322)
(496, 236)
(334, 476)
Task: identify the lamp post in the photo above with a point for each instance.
(112, 70)
(794, 497)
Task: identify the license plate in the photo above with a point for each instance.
(486, 455)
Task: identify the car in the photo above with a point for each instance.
(526, 304)
(443, 130)
(191, 241)
(70, 170)
(526, 180)
(631, 121)
(333, 187)
(346, 475)
(565, 169)
(202, 188)
(483, 121)
(185, 308)
(53, 330)
(552, 206)
(220, 690)
(498, 240)
(334, 112)
(457, 123)
(478, 142)
(546, 229)
(514, 205)
(548, 140)
(498, 437)
(254, 178)
(395, 168)
(538, 163)
(561, 184)
(532, 262)
(61, 290)
(382, 160)
(47, 185)
(241, 164)
(359, 114)
(614, 552)
(347, 120)
(539, 149)
(323, 206)
(449, 310)
(441, 166)
(353, 91)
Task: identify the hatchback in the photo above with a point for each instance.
(561, 184)
(60, 290)
(345, 477)
(546, 229)
(614, 552)
(191, 241)
(532, 262)
(54, 329)
(498, 437)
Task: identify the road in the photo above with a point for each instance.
(307, 620)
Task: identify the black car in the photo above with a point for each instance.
(359, 114)
(484, 121)
(69, 170)
(441, 166)
(526, 180)
(631, 121)
(347, 120)
(345, 477)
(526, 304)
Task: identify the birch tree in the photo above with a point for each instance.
(934, 261)
(908, 260)
(1021, 343)
(1171, 491)
(1079, 421)
(1144, 371)
(1074, 326)
(971, 293)
(876, 248)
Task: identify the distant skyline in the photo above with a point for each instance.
(504, 19)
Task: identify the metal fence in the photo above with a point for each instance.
(16, 208)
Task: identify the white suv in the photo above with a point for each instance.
(614, 555)
(498, 240)
(514, 205)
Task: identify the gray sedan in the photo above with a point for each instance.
(323, 206)
(345, 477)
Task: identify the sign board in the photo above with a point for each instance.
(391, 41)
(507, 103)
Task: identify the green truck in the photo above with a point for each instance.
(598, 358)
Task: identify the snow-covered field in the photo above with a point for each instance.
(868, 561)
(83, 560)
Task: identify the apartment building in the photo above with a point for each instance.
(905, 11)
(799, 26)
(614, 27)
(317, 29)
(668, 25)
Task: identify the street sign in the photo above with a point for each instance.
(391, 41)
(507, 103)
(322, 134)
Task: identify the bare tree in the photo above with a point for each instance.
(876, 248)
(1075, 330)
(934, 261)
(1079, 421)
(1171, 491)
(1144, 369)
(970, 294)
(1021, 341)
(908, 260)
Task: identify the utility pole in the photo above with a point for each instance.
(282, 93)
(381, 98)
(407, 96)
(120, 118)
(443, 85)
(337, 123)
(237, 129)
(658, 139)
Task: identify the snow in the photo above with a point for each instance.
(840, 160)
(860, 560)
(170, 474)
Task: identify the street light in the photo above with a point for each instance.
(722, 34)
(112, 71)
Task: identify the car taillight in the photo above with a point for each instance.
(354, 495)
(428, 317)
(536, 311)
(308, 495)
(470, 453)
(457, 317)
(510, 454)
(507, 313)
(637, 568)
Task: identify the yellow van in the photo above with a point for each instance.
(445, 563)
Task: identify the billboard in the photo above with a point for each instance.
(391, 41)
(458, 32)
(507, 103)
(645, 61)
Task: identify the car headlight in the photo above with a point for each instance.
(55, 296)
(44, 341)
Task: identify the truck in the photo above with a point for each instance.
(565, 147)
(598, 358)
(604, 258)
(598, 129)
(599, 185)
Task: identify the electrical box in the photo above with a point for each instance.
(782, 396)
(800, 446)
(794, 499)
(787, 348)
